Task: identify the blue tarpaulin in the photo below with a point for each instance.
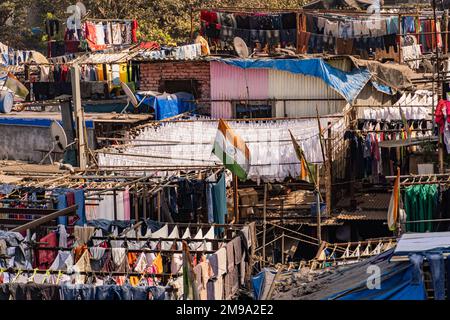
(169, 105)
(261, 283)
(257, 285)
(375, 278)
(348, 84)
(382, 88)
(398, 285)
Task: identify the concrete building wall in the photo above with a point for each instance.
(22, 142)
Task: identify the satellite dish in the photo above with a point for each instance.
(204, 44)
(240, 47)
(38, 57)
(59, 140)
(59, 136)
(131, 97)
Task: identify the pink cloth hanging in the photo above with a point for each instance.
(126, 204)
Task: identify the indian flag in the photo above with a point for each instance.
(232, 151)
(394, 204)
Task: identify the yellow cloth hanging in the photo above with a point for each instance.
(158, 263)
(123, 72)
(134, 281)
(100, 72)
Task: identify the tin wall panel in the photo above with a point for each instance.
(233, 83)
(285, 85)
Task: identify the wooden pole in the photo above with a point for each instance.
(35, 223)
(439, 86)
(329, 175)
(76, 98)
(136, 203)
(235, 199)
(144, 208)
(400, 32)
(272, 285)
(319, 227)
(115, 204)
(159, 206)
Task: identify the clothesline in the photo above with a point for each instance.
(389, 130)
(162, 251)
(159, 239)
(393, 106)
(248, 10)
(103, 273)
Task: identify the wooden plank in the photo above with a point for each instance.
(15, 222)
(26, 211)
(35, 223)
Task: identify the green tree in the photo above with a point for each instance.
(165, 21)
(13, 29)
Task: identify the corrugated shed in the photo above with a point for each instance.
(285, 85)
(230, 83)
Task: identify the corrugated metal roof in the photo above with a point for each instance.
(101, 58)
(363, 216)
(367, 201)
(370, 206)
(140, 58)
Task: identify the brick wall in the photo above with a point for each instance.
(153, 74)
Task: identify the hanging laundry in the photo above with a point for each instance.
(420, 204)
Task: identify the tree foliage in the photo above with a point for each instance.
(13, 27)
(165, 21)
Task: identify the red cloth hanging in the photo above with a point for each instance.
(442, 112)
(91, 37)
(134, 27)
(46, 257)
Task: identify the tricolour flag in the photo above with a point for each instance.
(13, 84)
(394, 204)
(306, 170)
(190, 291)
(232, 151)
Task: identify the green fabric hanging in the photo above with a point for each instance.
(421, 203)
(410, 208)
(433, 194)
